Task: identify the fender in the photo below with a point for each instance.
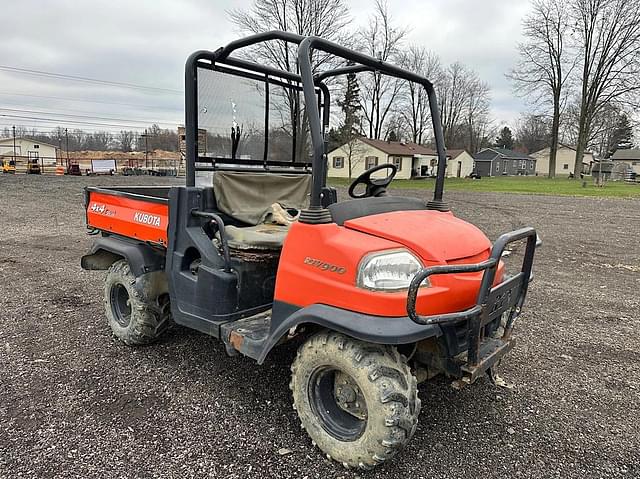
(373, 329)
(142, 258)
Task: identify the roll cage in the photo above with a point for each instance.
(317, 98)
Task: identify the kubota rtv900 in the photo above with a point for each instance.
(256, 250)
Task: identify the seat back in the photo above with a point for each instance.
(248, 197)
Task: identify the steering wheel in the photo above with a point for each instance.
(374, 186)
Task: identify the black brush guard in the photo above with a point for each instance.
(492, 303)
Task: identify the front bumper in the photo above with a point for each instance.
(492, 303)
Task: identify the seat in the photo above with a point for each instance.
(250, 198)
(266, 236)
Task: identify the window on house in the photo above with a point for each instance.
(523, 165)
(36, 146)
(338, 162)
(397, 162)
(497, 166)
(370, 162)
(531, 165)
(565, 166)
(504, 167)
(515, 163)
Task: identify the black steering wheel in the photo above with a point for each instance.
(374, 186)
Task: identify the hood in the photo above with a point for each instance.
(433, 235)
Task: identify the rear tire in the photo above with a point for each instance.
(375, 406)
(137, 309)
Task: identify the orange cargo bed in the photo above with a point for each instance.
(140, 212)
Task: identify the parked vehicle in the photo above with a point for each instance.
(9, 166)
(33, 166)
(378, 290)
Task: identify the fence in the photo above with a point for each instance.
(48, 164)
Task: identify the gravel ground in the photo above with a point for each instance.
(76, 403)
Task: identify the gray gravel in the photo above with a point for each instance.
(76, 403)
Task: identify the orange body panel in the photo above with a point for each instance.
(139, 219)
(319, 263)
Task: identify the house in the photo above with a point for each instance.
(459, 164)
(625, 160)
(503, 162)
(565, 160)
(29, 148)
(411, 159)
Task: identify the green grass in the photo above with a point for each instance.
(535, 185)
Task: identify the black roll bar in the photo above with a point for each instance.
(309, 84)
(304, 63)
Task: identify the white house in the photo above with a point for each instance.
(565, 160)
(28, 148)
(411, 159)
(626, 159)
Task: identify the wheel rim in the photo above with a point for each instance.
(339, 406)
(121, 305)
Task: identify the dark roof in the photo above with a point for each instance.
(399, 148)
(490, 153)
(626, 154)
(452, 154)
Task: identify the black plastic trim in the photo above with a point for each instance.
(374, 329)
(352, 209)
(142, 258)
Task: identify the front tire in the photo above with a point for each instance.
(357, 401)
(137, 309)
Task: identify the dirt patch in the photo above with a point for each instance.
(76, 403)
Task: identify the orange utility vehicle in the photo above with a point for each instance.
(378, 290)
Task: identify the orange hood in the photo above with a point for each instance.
(433, 235)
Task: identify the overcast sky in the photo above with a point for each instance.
(147, 42)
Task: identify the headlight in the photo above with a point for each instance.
(388, 271)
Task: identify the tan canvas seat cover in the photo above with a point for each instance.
(248, 197)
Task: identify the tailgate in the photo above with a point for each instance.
(132, 215)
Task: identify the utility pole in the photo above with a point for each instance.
(66, 134)
(146, 149)
(14, 144)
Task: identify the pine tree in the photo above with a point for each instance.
(505, 139)
(622, 134)
(350, 129)
(351, 109)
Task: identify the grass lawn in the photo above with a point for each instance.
(535, 185)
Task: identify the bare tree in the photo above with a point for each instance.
(608, 33)
(354, 148)
(328, 19)
(533, 132)
(478, 103)
(415, 104)
(380, 39)
(452, 97)
(545, 64)
(126, 140)
(464, 107)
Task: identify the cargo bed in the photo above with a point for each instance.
(137, 212)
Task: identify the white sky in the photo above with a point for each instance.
(146, 42)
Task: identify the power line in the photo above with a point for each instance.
(26, 71)
(172, 123)
(78, 122)
(133, 105)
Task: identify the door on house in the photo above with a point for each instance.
(459, 169)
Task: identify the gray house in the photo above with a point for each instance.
(503, 162)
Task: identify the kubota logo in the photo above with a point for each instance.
(146, 219)
(324, 266)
